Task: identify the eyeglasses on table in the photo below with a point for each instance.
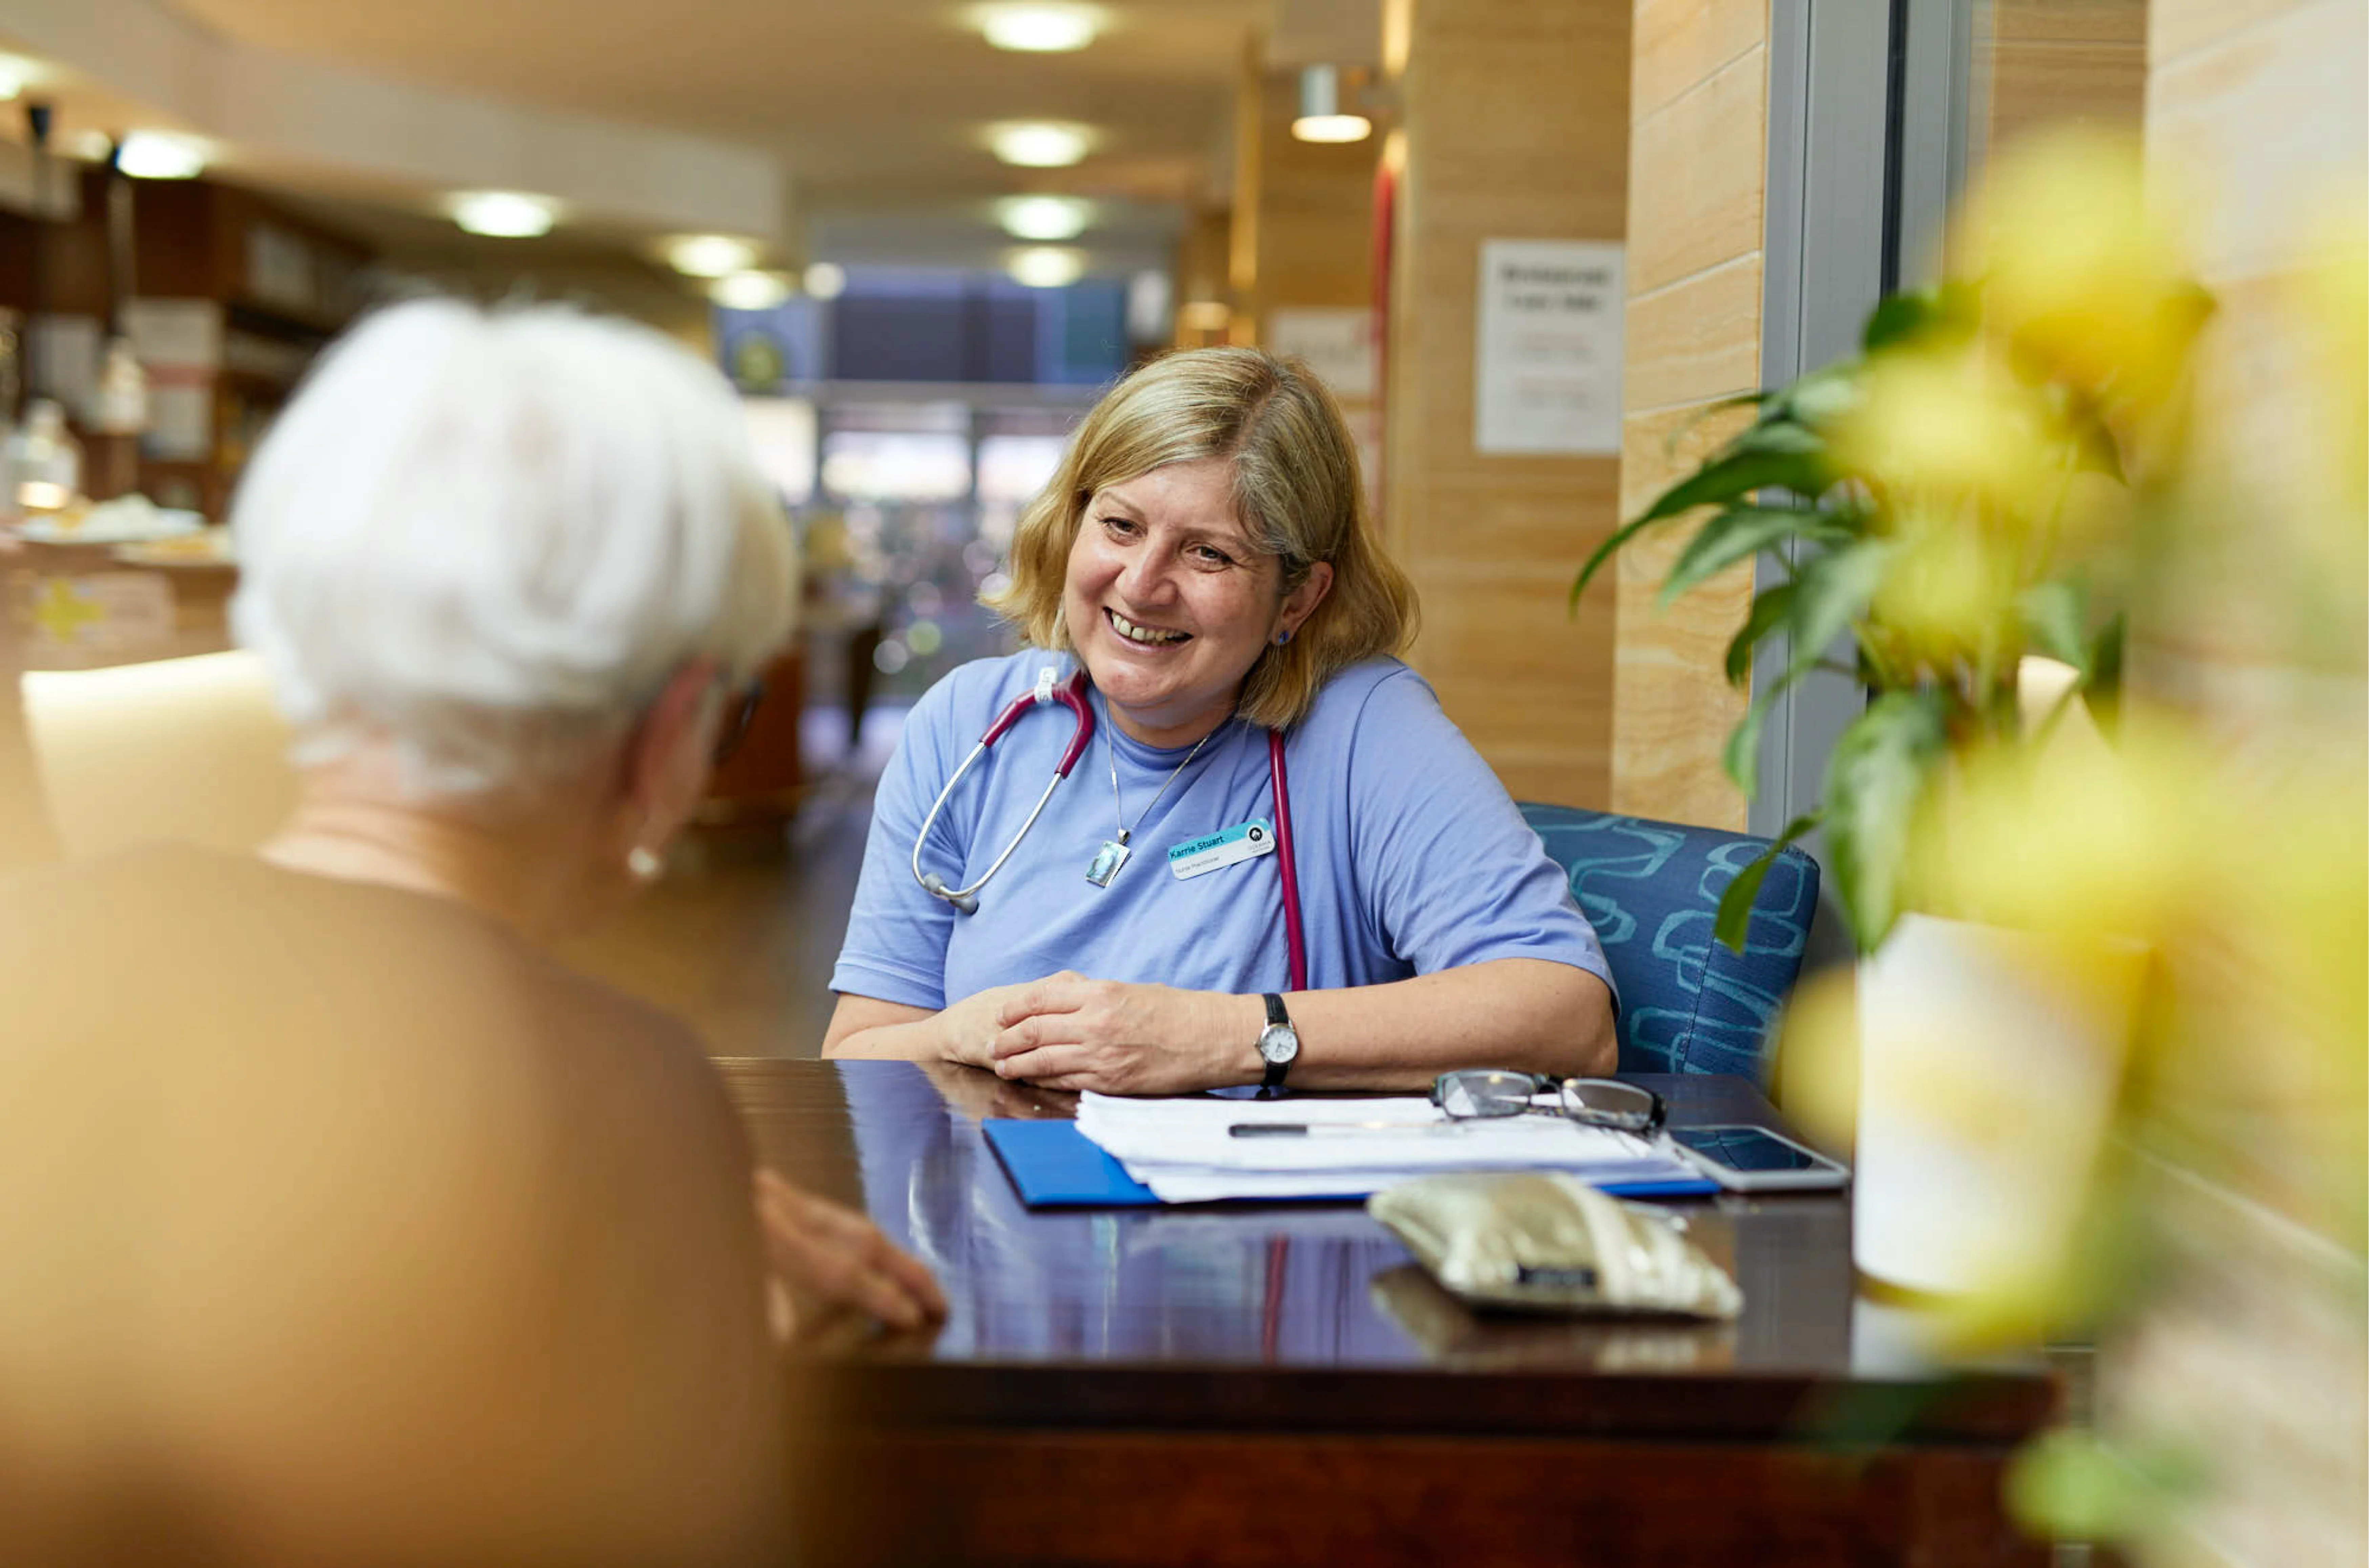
(1479, 1093)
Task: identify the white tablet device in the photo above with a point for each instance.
(1744, 1158)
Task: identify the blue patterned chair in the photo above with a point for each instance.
(1688, 1004)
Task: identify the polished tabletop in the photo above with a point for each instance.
(1312, 1315)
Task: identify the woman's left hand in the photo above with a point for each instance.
(1069, 1032)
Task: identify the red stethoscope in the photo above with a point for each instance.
(1071, 695)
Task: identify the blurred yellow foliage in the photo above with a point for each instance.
(1948, 593)
(1946, 424)
(2082, 265)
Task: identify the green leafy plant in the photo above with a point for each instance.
(1937, 501)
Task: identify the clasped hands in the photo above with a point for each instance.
(1066, 1031)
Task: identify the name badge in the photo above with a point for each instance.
(1227, 846)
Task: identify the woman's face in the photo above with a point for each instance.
(1168, 603)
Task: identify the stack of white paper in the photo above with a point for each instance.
(1186, 1149)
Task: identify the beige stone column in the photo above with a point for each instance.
(1516, 121)
(1698, 167)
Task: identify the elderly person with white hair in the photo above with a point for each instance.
(342, 1222)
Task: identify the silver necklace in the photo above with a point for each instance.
(1114, 852)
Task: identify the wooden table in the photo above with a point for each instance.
(1280, 1384)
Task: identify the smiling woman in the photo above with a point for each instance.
(1203, 558)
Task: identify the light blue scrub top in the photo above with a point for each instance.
(1411, 856)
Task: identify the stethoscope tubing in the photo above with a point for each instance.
(1071, 694)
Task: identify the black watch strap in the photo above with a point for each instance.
(1275, 1015)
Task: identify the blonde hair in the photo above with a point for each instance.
(1295, 489)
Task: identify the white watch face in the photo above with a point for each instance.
(1278, 1042)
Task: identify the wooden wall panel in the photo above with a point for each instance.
(1700, 201)
(1695, 340)
(2257, 110)
(2073, 21)
(1698, 168)
(2053, 61)
(1516, 128)
(1675, 706)
(1314, 237)
(2255, 113)
(1681, 44)
(2176, 28)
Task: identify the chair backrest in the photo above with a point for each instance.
(1688, 1004)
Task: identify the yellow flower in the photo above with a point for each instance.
(1818, 1059)
(1945, 425)
(2077, 839)
(2079, 266)
(1948, 592)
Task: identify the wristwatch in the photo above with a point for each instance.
(1278, 1043)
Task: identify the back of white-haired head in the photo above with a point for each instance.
(491, 538)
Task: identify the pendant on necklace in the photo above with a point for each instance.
(1107, 861)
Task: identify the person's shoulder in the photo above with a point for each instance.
(970, 694)
(1380, 688)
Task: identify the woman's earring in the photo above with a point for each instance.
(1283, 637)
(645, 863)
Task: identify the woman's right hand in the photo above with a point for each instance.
(823, 1258)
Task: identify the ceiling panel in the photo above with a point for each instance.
(872, 100)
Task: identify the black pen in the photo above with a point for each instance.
(1325, 1129)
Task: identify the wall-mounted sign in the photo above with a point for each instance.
(1337, 344)
(1547, 352)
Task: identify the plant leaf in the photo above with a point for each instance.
(1946, 312)
(1777, 435)
(1734, 923)
(1829, 593)
(1741, 531)
(2105, 688)
(1742, 753)
(1739, 474)
(1603, 552)
(1822, 396)
(2055, 617)
(1768, 611)
(1875, 776)
(2095, 449)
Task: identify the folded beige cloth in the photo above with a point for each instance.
(1543, 1241)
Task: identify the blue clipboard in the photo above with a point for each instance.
(1057, 1166)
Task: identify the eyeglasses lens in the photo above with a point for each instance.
(1483, 1094)
(1606, 1103)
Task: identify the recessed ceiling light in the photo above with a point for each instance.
(1038, 144)
(16, 75)
(1044, 217)
(710, 255)
(750, 290)
(151, 154)
(1039, 29)
(504, 214)
(1047, 266)
(826, 280)
(1332, 128)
